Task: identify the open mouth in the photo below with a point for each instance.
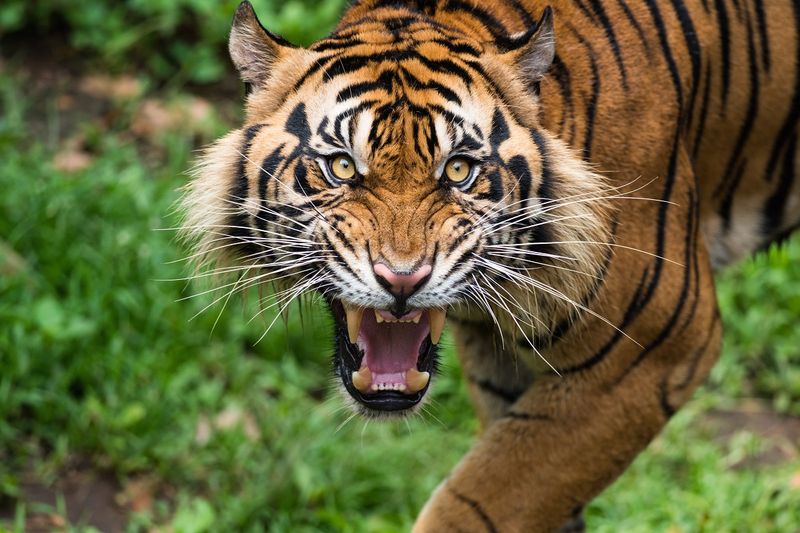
(386, 361)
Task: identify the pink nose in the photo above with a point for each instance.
(401, 285)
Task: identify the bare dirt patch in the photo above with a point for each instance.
(87, 497)
(781, 434)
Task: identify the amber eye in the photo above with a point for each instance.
(343, 167)
(458, 170)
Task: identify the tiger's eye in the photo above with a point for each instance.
(458, 170)
(343, 167)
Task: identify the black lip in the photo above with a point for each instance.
(347, 359)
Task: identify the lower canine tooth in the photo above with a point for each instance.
(362, 379)
(416, 380)
(437, 317)
(353, 315)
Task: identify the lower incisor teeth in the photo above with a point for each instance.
(416, 380)
(388, 386)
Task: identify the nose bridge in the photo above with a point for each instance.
(402, 235)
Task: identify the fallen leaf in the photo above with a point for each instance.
(57, 521)
(202, 433)
(72, 160)
(123, 87)
(65, 102)
(155, 117)
(139, 494)
(225, 420)
(228, 418)
(10, 261)
(794, 481)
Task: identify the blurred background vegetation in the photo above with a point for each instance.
(125, 404)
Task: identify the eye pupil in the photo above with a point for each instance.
(342, 167)
(458, 170)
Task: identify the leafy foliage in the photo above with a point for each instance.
(760, 301)
(174, 40)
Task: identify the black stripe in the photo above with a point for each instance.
(631, 312)
(793, 117)
(704, 109)
(763, 32)
(661, 29)
(518, 166)
(563, 327)
(667, 330)
(487, 522)
(495, 27)
(608, 28)
(301, 184)
(560, 72)
(528, 416)
(338, 257)
(725, 44)
(635, 23)
(384, 82)
(327, 45)
(489, 387)
(238, 195)
(432, 85)
(695, 265)
(586, 11)
(297, 123)
(591, 104)
(698, 355)
(775, 207)
(728, 187)
(267, 172)
(458, 48)
(663, 397)
(524, 14)
(495, 180)
(693, 48)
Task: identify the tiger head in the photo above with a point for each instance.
(399, 169)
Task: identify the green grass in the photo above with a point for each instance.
(99, 358)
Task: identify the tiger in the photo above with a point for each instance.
(556, 181)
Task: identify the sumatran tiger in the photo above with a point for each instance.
(556, 179)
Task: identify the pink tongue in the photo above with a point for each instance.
(390, 348)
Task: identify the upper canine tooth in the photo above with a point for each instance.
(437, 317)
(353, 315)
(416, 380)
(378, 316)
(362, 380)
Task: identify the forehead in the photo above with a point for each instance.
(416, 82)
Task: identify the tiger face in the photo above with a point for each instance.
(401, 173)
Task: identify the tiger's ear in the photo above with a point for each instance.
(532, 51)
(254, 49)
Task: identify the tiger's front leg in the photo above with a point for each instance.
(568, 437)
